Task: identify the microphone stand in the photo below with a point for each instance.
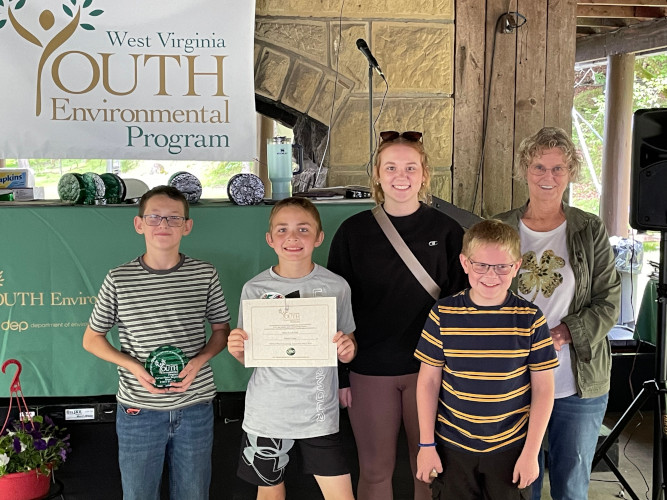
(371, 142)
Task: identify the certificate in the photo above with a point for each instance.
(290, 332)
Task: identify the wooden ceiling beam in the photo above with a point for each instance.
(604, 11)
(640, 37)
(619, 11)
(627, 3)
(592, 30)
(610, 22)
(650, 11)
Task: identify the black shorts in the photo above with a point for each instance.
(471, 476)
(262, 460)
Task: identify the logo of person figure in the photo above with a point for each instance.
(47, 20)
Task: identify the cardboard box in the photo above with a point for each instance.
(11, 178)
(28, 194)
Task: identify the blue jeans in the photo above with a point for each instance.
(572, 434)
(184, 437)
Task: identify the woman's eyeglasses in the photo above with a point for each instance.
(500, 269)
(539, 170)
(172, 220)
(392, 135)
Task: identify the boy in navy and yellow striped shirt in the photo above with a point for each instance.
(485, 389)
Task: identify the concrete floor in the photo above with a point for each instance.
(635, 461)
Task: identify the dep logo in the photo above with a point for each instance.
(15, 326)
(19, 326)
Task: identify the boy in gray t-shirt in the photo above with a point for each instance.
(287, 407)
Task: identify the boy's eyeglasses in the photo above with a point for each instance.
(539, 170)
(500, 269)
(156, 220)
(392, 135)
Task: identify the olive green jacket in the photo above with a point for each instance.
(595, 307)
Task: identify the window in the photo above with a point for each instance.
(212, 175)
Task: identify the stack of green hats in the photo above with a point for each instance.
(91, 188)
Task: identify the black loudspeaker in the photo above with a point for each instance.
(648, 204)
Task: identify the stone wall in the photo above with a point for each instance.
(306, 49)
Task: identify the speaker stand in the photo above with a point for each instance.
(655, 390)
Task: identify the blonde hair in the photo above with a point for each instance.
(549, 138)
(492, 232)
(297, 201)
(376, 188)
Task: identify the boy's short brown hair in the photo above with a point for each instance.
(168, 191)
(297, 201)
(492, 232)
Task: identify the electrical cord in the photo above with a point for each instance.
(510, 25)
(487, 100)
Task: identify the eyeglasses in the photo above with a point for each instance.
(156, 220)
(539, 170)
(500, 269)
(392, 135)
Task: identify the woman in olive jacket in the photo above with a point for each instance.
(568, 271)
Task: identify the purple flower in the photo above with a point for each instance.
(48, 420)
(33, 443)
(17, 445)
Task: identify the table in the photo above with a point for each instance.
(647, 319)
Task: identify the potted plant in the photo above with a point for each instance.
(29, 451)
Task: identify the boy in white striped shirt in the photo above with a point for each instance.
(162, 299)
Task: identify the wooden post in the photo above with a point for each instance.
(3, 163)
(469, 102)
(561, 48)
(617, 152)
(499, 147)
(530, 85)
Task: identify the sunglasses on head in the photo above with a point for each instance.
(392, 135)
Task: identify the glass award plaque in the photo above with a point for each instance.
(164, 364)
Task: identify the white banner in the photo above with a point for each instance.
(136, 79)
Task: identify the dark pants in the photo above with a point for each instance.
(478, 476)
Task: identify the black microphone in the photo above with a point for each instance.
(363, 47)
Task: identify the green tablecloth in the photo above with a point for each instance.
(53, 261)
(647, 319)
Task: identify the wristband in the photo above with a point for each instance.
(426, 445)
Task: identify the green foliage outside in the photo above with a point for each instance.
(650, 91)
(220, 173)
(212, 175)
